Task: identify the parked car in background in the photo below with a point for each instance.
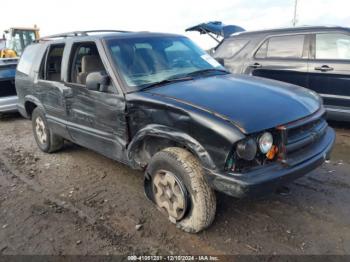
(2, 43)
(159, 103)
(317, 58)
(8, 97)
(11, 47)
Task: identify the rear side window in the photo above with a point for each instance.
(291, 46)
(230, 48)
(51, 67)
(27, 59)
(333, 46)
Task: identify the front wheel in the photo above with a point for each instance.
(180, 191)
(45, 139)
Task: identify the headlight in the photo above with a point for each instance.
(265, 142)
(247, 149)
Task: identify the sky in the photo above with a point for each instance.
(171, 16)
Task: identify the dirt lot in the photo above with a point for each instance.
(78, 202)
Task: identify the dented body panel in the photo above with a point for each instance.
(210, 138)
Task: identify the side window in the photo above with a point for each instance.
(84, 59)
(291, 46)
(261, 53)
(332, 46)
(51, 68)
(27, 59)
(230, 48)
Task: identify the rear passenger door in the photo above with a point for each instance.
(329, 69)
(283, 58)
(96, 118)
(50, 89)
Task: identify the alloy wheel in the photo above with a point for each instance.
(169, 195)
(40, 130)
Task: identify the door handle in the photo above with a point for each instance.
(67, 92)
(256, 65)
(324, 68)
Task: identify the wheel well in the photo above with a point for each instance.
(150, 146)
(29, 106)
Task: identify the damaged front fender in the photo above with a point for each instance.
(153, 137)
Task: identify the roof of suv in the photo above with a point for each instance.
(292, 30)
(104, 34)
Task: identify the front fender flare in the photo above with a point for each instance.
(172, 134)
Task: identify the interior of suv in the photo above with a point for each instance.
(85, 61)
(89, 64)
(54, 60)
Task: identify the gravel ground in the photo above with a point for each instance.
(78, 202)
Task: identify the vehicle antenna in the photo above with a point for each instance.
(294, 22)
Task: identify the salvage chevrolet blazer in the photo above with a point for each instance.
(158, 103)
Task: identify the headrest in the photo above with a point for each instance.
(91, 63)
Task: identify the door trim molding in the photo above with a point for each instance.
(338, 110)
(335, 96)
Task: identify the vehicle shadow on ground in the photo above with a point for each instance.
(339, 124)
(70, 147)
(305, 189)
(226, 203)
(8, 117)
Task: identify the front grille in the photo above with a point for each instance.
(297, 138)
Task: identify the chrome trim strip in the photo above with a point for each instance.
(338, 110)
(335, 96)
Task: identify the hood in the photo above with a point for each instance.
(217, 28)
(253, 104)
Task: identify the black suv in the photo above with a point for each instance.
(317, 58)
(159, 103)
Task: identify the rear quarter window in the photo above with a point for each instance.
(230, 48)
(27, 59)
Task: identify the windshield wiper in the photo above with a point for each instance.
(208, 70)
(166, 81)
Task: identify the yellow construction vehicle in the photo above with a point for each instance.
(16, 39)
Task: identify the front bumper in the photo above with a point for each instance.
(267, 179)
(8, 104)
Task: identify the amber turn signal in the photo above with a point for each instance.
(272, 152)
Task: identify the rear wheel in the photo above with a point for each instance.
(180, 190)
(45, 139)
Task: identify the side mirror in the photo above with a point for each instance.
(97, 81)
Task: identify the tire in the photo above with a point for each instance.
(200, 206)
(52, 142)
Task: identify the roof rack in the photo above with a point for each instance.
(79, 33)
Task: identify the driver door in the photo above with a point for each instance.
(96, 118)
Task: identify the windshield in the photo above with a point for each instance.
(149, 60)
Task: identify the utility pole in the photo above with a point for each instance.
(294, 22)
